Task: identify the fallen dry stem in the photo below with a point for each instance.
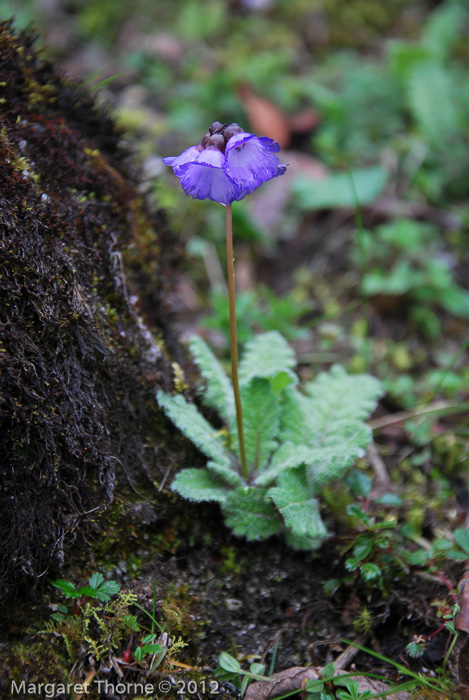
(436, 407)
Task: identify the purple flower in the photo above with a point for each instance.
(227, 164)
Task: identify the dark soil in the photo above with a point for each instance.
(278, 594)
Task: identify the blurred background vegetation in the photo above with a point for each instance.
(359, 254)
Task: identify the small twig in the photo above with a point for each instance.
(378, 465)
(344, 659)
(165, 477)
(436, 407)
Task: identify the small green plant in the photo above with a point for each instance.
(346, 689)
(98, 620)
(442, 548)
(334, 684)
(404, 259)
(260, 310)
(97, 589)
(279, 445)
(382, 548)
(148, 644)
(377, 551)
(330, 685)
(103, 624)
(447, 610)
(296, 440)
(230, 669)
(447, 613)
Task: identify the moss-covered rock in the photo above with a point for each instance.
(78, 365)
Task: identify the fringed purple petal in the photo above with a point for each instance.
(204, 178)
(250, 160)
(187, 156)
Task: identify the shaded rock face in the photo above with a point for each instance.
(78, 368)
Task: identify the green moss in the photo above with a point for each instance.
(177, 609)
(76, 410)
(37, 653)
(231, 564)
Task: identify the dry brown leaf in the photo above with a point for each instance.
(265, 117)
(304, 121)
(292, 679)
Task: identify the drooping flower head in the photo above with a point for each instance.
(227, 164)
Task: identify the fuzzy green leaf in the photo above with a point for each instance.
(200, 485)
(219, 392)
(299, 509)
(343, 396)
(303, 543)
(194, 426)
(334, 410)
(327, 429)
(268, 356)
(225, 473)
(323, 463)
(288, 456)
(261, 410)
(328, 461)
(296, 422)
(250, 515)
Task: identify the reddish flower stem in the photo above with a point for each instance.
(233, 338)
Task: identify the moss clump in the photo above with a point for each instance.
(77, 366)
(23, 661)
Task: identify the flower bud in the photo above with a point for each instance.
(216, 141)
(231, 130)
(216, 127)
(205, 139)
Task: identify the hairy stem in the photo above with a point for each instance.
(233, 338)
